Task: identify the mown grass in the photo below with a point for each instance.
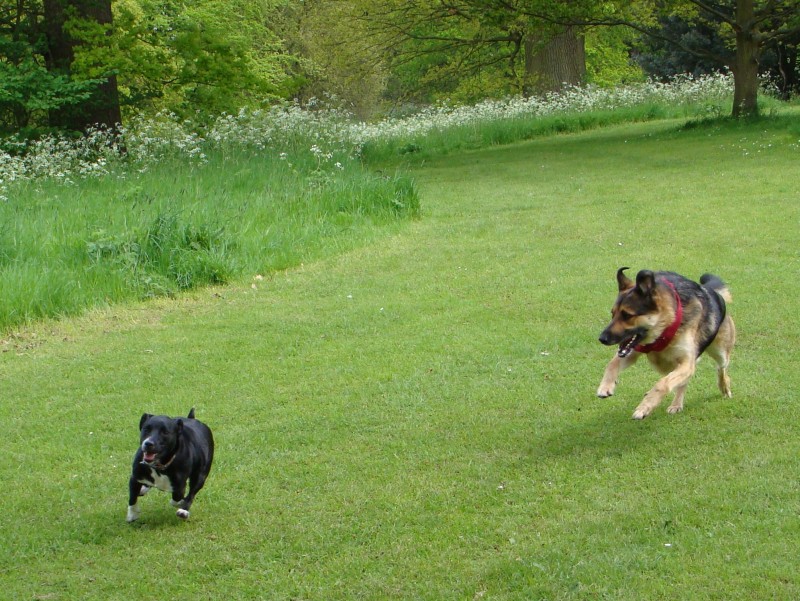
(415, 418)
(179, 225)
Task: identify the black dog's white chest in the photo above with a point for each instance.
(152, 477)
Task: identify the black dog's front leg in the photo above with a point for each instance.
(195, 484)
(135, 490)
(178, 500)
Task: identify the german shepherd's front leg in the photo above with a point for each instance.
(676, 379)
(616, 365)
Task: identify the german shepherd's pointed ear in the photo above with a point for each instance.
(623, 281)
(645, 282)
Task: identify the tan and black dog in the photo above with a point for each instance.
(672, 320)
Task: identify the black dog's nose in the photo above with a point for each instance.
(148, 445)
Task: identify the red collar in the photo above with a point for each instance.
(662, 342)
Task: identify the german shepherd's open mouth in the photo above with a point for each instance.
(626, 346)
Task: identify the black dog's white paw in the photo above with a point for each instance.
(183, 514)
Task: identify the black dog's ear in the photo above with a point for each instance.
(191, 414)
(145, 417)
(623, 281)
(178, 426)
(645, 282)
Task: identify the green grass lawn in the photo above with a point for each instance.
(416, 419)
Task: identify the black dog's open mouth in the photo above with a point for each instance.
(626, 346)
(149, 457)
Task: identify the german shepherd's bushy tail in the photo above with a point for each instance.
(709, 280)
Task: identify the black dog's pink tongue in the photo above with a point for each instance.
(149, 457)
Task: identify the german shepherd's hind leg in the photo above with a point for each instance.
(720, 350)
(723, 379)
(609, 382)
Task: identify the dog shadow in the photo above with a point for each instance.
(610, 432)
(157, 519)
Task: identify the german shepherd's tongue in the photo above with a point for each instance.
(627, 346)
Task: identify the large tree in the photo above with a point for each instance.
(65, 64)
(29, 92)
(453, 40)
(751, 26)
(747, 26)
(62, 18)
(556, 61)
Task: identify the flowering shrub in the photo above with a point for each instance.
(313, 137)
(684, 90)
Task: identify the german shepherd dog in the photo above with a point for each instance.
(672, 320)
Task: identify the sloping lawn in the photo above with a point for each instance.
(416, 419)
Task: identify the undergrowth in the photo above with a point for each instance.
(177, 226)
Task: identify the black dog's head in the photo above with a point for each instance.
(635, 312)
(159, 437)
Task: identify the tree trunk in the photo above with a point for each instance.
(787, 67)
(559, 63)
(102, 108)
(745, 67)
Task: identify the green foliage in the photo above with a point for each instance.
(608, 61)
(201, 58)
(461, 55)
(28, 90)
(341, 62)
(182, 60)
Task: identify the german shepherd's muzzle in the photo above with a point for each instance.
(672, 320)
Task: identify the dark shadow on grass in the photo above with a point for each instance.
(611, 432)
(103, 525)
(157, 519)
(717, 124)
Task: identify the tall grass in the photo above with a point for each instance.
(318, 138)
(65, 248)
(445, 128)
(168, 205)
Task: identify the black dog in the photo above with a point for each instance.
(172, 451)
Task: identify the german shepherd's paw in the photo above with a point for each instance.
(605, 391)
